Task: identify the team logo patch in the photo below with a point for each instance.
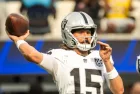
(98, 62)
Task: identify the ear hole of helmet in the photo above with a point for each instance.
(92, 31)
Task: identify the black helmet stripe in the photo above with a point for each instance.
(86, 21)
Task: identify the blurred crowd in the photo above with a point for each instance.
(116, 14)
(37, 12)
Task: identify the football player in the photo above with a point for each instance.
(75, 67)
(138, 64)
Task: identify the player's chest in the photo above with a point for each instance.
(82, 66)
(82, 74)
(82, 62)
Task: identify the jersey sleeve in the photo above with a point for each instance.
(51, 60)
(49, 63)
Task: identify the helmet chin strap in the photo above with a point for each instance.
(84, 47)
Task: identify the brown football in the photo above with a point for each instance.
(16, 24)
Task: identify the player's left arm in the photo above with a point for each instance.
(116, 83)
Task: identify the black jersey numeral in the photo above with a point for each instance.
(89, 83)
(75, 73)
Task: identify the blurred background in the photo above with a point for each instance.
(118, 25)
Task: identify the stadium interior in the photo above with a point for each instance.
(18, 75)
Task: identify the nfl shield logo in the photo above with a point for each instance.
(98, 62)
(85, 60)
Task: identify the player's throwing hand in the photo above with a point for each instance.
(16, 38)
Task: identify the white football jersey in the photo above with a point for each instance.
(75, 74)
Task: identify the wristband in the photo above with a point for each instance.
(19, 42)
(112, 74)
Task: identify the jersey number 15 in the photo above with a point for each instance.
(88, 73)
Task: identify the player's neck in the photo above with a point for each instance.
(82, 53)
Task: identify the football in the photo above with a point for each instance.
(16, 24)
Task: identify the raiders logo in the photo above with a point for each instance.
(98, 62)
(63, 24)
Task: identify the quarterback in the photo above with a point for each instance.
(76, 67)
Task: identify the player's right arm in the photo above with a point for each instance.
(29, 52)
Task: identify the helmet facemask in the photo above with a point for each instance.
(74, 43)
(87, 45)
